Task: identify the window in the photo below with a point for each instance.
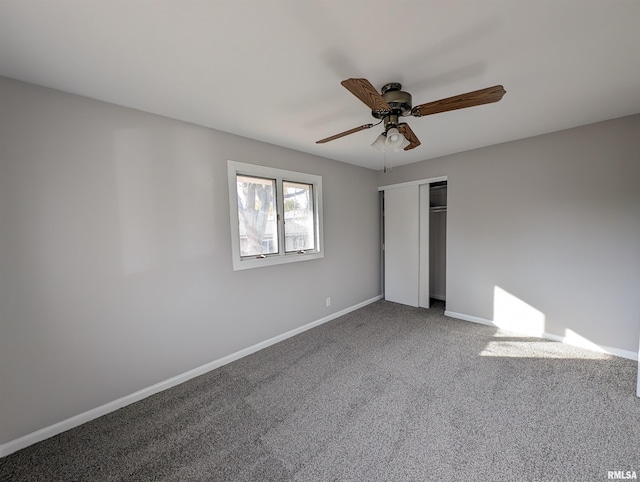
(276, 215)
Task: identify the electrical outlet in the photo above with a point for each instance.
(328, 301)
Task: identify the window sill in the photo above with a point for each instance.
(249, 263)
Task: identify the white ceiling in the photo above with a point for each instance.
(271, 69)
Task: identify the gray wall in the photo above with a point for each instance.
(115, 255)
(552, 220)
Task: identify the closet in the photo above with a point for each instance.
(414, 242)
(438, 240)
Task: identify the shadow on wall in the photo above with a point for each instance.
(512, 314)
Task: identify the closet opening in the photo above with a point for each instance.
(438, 244)
(413, 248)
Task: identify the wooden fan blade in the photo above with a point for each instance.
(470, 99)
(367, 93)
(345, 133)
(407, 132)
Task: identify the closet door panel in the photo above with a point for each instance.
(402, 245)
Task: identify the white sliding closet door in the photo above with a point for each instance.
(406, 245)
(402, 245)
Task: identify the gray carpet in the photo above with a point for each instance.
(387, 392)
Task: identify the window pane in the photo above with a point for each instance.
(299, 231)
(257, 216)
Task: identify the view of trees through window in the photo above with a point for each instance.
(258, 216)
(298, 216)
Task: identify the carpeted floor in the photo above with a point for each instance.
(387, 392)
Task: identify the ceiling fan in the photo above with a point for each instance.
(392, 103)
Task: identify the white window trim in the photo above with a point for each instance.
(239, 263)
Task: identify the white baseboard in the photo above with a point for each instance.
(631, 355)
(64, 425)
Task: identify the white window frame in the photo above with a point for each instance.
(234, 169)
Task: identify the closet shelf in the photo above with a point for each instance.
(438, 209)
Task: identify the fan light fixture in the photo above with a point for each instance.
(395, 140)
(379, 143)
(392, 139)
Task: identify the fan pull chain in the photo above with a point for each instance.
(387, 166)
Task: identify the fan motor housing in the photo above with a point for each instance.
(398, 100)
